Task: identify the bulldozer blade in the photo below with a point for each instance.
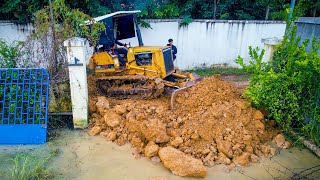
(189, 84)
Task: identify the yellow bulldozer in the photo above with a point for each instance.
(144, 71)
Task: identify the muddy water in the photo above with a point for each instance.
(85, 157)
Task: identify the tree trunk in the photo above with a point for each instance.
(215, 4)
(267, 12)
(214, 9)
(314, 12)
(53, 65)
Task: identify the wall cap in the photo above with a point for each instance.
(271, 41)
(75, 42)
(178, 20)
(219, 21)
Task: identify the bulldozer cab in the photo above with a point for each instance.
(118, 26)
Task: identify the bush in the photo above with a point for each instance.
(185, 21)
(9, 53)
(289, 85)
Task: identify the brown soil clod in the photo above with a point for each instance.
(181, 164)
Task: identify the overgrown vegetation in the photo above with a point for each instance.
(44, 47)
(185, 21)
(22, 10)
(289, 85)
(9, 53)
(52, 28)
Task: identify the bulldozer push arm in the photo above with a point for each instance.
(194, 78)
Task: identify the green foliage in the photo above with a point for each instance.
(71, 23)
(299, 10)
(96, 9)
(185, 21)
(143, 23)
(52, 29)
(9, 53)
(28, 166)
(289, 85)
(45, 44)
(281, 15)
(242, 15)
(196, 9)
(160, 10)
(244, 9)
(20, 9)
(167, 11)
(225, 16)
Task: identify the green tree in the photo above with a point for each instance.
(159, 9)
(267, 4)
(302, 7)
(52, 28)
(20, 9)
(310, 7)
(196, 9)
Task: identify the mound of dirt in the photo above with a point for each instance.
(211, 123)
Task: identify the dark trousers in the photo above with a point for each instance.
(121, 51)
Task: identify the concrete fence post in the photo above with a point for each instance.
(76, 54)
(269, 47)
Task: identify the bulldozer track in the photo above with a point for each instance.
(130, 86)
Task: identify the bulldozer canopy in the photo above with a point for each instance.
(119, 25)
(116, 14)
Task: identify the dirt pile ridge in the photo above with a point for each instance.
(211, 123)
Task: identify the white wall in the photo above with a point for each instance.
(14, 32)
(206, 42)
(211, 42)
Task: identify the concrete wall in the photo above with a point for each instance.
(211, 42)
(307, 28)
(202, 42)
(14, 32)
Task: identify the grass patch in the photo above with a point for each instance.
(294, 139)
(25, 166)
(204, 71)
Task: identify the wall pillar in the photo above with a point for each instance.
(77, 59)
(269, 47)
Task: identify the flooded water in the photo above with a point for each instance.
(85, 157)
